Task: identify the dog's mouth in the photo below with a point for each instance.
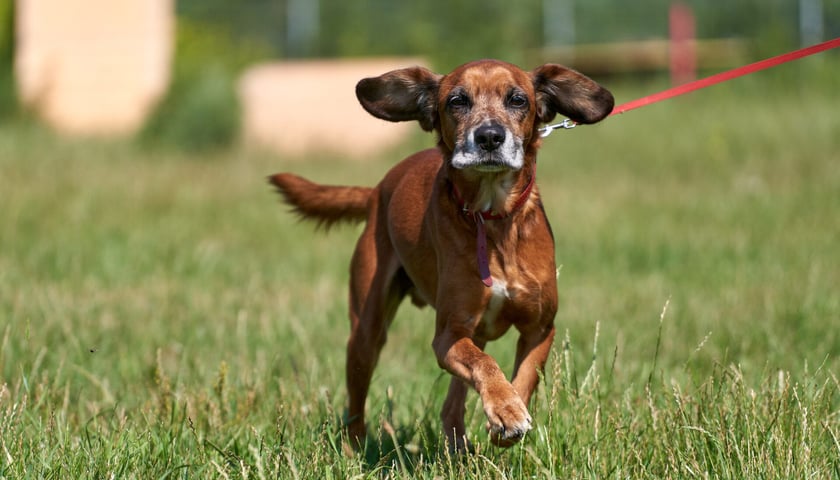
(488, 162)
(491, 166)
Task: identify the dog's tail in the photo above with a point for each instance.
(326, 204)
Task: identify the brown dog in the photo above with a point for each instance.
(459, 227)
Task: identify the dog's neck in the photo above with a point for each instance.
(493, 198)
(491, 194)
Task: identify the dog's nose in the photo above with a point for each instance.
(489, 137)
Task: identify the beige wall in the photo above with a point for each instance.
(296, 107)
(98, 67)
(93, 66)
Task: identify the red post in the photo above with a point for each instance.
(683, 59)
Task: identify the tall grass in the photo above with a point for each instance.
(162, 316)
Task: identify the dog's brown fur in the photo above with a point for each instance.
(421, 234)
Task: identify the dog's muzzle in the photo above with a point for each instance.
(490, 147)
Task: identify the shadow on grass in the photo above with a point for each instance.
(404, 447)
(392, 445)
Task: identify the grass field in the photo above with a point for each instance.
(162, 316)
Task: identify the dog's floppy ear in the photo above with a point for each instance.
(565, 91)
(402, 95)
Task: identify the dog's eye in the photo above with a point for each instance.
(458, 100)
(517, 100)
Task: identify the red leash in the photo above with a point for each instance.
(726, 76)
(707, 82)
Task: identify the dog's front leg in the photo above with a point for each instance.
(507, 416)
(452, 414)
(532, 351)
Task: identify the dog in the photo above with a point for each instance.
(459, 227)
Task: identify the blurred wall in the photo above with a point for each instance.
(295, 107)
(93, 66)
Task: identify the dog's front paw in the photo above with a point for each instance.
(507, 417)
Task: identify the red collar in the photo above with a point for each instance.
(481, 234)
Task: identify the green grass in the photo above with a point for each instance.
(162, 316)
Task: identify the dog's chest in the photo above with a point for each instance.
(503, 295)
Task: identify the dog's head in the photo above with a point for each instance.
(486, 112)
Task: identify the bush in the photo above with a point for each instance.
(201, 112)
(8, 100)
(198, 114)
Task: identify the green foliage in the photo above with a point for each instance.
(201, 110)
(449, 32)
(8, 100)
(7, 34)
(199, 113)
(202, 44)
(164, 318)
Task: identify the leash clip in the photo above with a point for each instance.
(566, 124)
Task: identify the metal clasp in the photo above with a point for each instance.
(565, 124)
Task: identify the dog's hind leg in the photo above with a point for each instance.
(377, 286)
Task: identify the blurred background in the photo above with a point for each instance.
(208, 74)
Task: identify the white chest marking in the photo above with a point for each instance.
(498, 296)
